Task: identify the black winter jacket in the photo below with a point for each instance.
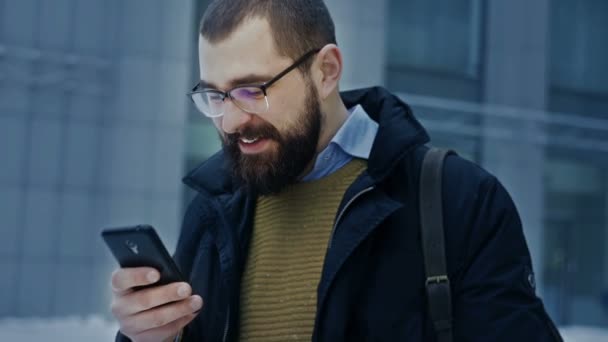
(372, 285)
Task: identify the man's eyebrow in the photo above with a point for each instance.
(251, 79)
(202, 84)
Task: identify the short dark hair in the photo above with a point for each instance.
(297, 26)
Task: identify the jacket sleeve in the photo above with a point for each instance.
(122, 338)
(494, 291)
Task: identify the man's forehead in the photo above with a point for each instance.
(248, 51)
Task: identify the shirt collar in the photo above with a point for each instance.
(354, 139)
(357, 134)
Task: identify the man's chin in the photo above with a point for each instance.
(264, 182)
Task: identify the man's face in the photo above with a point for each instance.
(271, 149)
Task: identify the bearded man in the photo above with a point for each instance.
(306, 225)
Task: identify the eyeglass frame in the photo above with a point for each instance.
(263, 86)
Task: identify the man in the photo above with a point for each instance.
(306, 224)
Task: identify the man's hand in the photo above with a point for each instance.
(155, 313)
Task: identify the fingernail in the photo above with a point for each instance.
(153, 276)
(196, 303)
(182, 291)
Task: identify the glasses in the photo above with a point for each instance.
(252, 99)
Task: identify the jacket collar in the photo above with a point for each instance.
(398, 133)
(398, 129)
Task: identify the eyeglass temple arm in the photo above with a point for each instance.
(290, 68)
(195, 87)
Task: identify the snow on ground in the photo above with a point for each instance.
(584, 334)
(92, 329)
(96, 329)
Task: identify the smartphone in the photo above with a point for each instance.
(140, 246)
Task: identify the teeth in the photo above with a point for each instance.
(249, 141)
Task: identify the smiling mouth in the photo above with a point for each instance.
(253, 145)
(249, 141)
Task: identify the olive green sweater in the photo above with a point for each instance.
(288, 245)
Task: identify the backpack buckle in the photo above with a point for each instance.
(437, 279)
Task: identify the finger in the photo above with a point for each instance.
(124, 279)
(165, 332)
(146, 299)
(160, 316)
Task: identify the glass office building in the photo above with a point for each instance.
(92, 126)
(95, 129)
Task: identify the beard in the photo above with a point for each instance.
(269, 172)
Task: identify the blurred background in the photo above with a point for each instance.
(96, 130)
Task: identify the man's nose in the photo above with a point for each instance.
(234, 117)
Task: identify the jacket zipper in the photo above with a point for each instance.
(348, 204)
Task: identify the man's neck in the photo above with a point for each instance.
(335, 114)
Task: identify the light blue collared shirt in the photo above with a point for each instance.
(353, 140)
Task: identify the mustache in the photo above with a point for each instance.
(264, 130)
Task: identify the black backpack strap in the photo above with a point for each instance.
(433, 246)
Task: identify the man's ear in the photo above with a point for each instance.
(329, 65)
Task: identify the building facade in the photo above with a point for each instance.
(92, 126)
(95, 129)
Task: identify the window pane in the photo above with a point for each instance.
(575, 274)
(439, 35)
(578, 45)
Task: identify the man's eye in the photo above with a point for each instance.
(214, 97)
(249, 93)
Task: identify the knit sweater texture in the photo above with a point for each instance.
(283, 269)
